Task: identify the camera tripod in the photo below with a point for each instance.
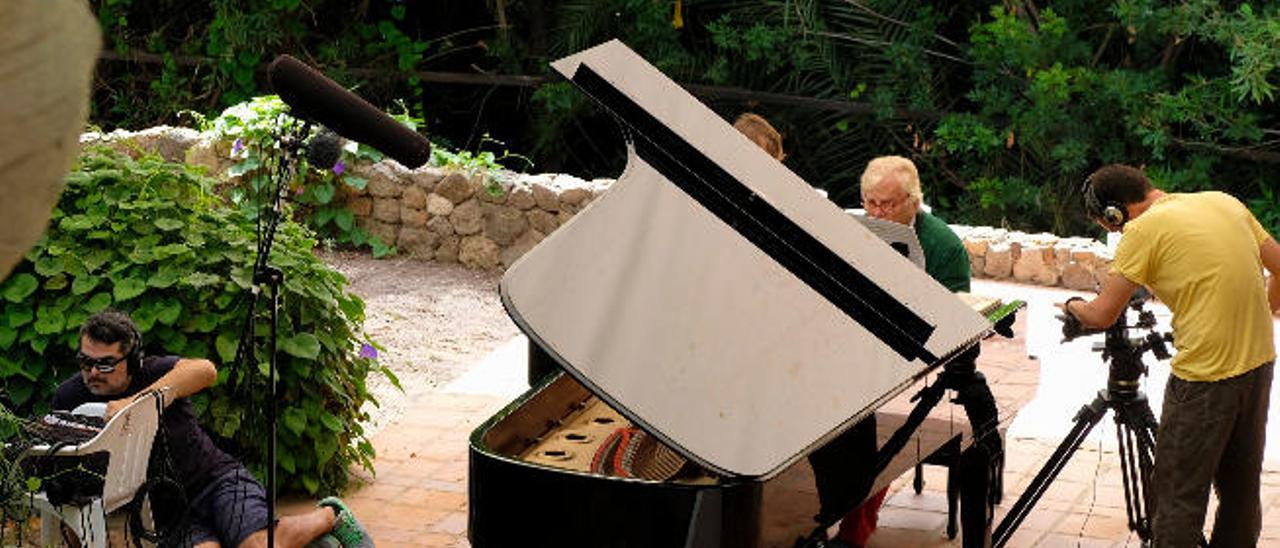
(1136, 433)
(1135, 423)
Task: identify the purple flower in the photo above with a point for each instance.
(237, 146)
(339, 167)
(368, 351)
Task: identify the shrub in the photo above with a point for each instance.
(149, 237)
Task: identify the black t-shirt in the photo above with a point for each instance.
(195, 459)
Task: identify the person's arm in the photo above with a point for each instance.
(188, 376)
(1270, 252)
(1105, 309)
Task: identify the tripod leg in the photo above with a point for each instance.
(1086, 419)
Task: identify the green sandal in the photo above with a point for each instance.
(346, 529)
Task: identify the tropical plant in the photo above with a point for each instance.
(150, 238)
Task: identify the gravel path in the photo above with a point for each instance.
(433, 320)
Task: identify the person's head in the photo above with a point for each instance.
(110, 347)
(1109, 192)
(891, 189)
(761, 133)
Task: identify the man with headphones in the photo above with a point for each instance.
(1202, 255)
(221, 503)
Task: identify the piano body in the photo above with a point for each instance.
(716, 320)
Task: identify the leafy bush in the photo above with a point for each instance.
(252, 127)
(148, 237)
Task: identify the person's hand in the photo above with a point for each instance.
(114, 406)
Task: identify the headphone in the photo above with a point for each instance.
(135, 355)
(1110, 212)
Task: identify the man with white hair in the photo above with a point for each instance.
(844, 468)
(891, 191)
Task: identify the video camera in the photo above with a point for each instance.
(1122, 350)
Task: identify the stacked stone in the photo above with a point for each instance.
(1043, 259)
(480, 220)
(490, 220)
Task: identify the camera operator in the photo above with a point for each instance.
(1201, 254)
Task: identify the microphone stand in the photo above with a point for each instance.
(290, 141)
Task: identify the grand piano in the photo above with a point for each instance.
(712, 320)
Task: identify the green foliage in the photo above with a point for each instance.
(150, 238)
(1134, 83)
(252, 127)
(982, 95)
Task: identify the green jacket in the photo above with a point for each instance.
(945, 257)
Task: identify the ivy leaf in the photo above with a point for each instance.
(57, 282)
(227, 344)
(49, 320)
(7, 336)
(295, 420)
(20, 287)
(357, 183)
(128, 288)
(323, 193)
(97, 303)
(164, 277)
(19, 394)
(345, 219)
(200, 279)
(169, 311)
(285, 459)
(326, 447)
(167, 224)
(249, 164)
(302, 345)
(330, 421)
(84, 284)
(20, 317)
(48, 265)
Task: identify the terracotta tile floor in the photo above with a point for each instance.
(418, 497)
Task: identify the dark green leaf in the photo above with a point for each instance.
(295, 420)
(227, 345)
(20, 287)
(166, 276)
(21, 316)
(128, 288)
(97, 303)
(169, 311)
(84, 284)
(169, 224)
(302, 345)
(358, 183)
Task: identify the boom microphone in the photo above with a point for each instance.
(314, 97)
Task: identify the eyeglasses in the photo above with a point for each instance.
(883, 205)
(104, 365)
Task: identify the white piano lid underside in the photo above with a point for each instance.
(695, 333)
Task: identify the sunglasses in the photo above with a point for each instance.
(104, 365)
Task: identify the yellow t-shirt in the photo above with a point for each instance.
(1199, 254)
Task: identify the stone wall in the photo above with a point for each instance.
(1042, 259)
(481, 220)
(488, 220)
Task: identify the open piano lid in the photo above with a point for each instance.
(717, 301)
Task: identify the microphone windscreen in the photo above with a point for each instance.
(314, 97)
(324, 150)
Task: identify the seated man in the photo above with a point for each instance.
(226, 505)
(844, 468)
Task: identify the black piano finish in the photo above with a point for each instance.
(519, 503)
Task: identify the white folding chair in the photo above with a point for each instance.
(127, 439)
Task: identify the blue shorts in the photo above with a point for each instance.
(228, 510)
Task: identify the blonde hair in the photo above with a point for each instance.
(893, 166)
(761, 133)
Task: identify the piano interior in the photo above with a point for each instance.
(564, 426)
